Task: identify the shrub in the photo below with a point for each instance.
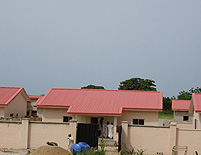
(126, 151)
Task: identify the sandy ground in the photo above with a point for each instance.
(109, 151)
(13, 152)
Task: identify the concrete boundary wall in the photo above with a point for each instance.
(156, 140)
(42, 133)
(25, 134)
(185, 125)
(10, 134)
(152, 139)
(190, 138)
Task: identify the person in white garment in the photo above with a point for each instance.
(70, 141)
(110, 130)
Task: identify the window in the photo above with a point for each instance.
(67, 118)
(185, 118)
(141, 121)
(138, 121)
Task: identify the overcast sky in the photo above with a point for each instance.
(73, 43)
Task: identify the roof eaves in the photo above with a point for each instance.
(150, 109)
(38, 102)
(94, 113)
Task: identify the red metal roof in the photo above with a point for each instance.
(7, 94)
(181, 104)
(35, 96)
(97, 101)
(197, 101)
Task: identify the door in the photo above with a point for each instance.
(119, 134)
(87, 133)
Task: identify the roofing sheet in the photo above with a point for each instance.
(181, 104)
(96, 101)
(35, 96)
(8, 93)
(197, 101)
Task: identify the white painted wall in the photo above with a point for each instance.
(150, 117)
(53, 114)
(17, 106)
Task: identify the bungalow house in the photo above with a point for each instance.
(13, 102)
(92, 106)
(181, 110)
(195, 109)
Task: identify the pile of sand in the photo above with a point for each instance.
(50, 150)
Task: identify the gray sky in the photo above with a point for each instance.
(73, 43)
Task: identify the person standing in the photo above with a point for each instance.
(105, 130)
(110, 130)
(70, 141)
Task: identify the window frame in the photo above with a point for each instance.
(185, 117)
(138, 121)
(67, 118)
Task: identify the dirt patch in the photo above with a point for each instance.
(50, 150)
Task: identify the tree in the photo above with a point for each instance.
(92, 87)
(186, 95)
(138, 84)
(167, 103)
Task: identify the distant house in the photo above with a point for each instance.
(181, 110)
(89, 105)
(195, 109)
(13, 102)
(101, 106)
(31, 110)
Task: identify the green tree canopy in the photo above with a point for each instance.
(92, 87)
(186, 95)
(167, 103)
(138, 84)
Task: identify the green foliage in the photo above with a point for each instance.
(90, 152)
(168, 114)
(167, 103)
(92, 87)
(102, 145)
(138, 84)
(195, 90)
(186, 95)
(126, 151)
(98, 152)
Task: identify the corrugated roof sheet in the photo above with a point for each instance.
(181, 104)
(96, 101)
(7, 94)
(197, 101)
(35, 96)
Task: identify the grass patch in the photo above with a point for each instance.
(166, 114)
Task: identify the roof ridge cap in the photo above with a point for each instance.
(12, 87)
(106, 90)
